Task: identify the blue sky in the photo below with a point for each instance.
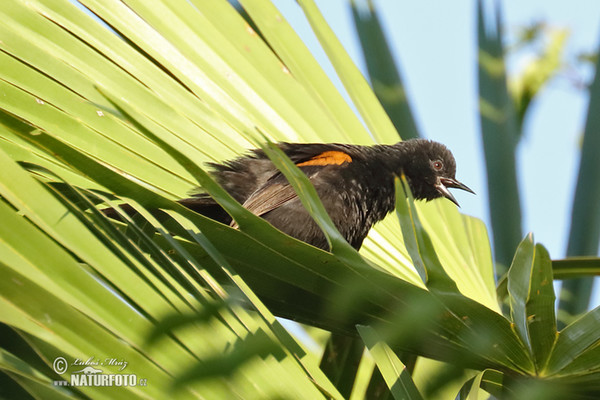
(435, 42)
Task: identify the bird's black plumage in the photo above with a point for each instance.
(355, 184)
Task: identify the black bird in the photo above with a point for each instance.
(355, 184)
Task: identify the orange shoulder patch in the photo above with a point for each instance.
(328, 158)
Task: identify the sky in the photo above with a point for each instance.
(435, 44)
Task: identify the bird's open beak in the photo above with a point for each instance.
(445, 183)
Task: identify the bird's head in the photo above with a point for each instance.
(430, 169)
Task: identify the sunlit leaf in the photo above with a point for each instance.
(393, 370)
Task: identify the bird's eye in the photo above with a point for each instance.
(437, 165)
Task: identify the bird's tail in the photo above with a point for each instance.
(205, 205)
(114, 214)
(202, 204)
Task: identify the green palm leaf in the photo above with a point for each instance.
(129, 110)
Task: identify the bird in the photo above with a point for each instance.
(355, 183)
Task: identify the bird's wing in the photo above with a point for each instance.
(277, 191)
(316, 153)
(267, 198)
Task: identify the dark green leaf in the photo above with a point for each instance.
(576, 347)
(531, 291)
(489, 380)
(572, 267)
(340, 361)
(584, 235)
(381, 66)
(499, 135)
(575, 266)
